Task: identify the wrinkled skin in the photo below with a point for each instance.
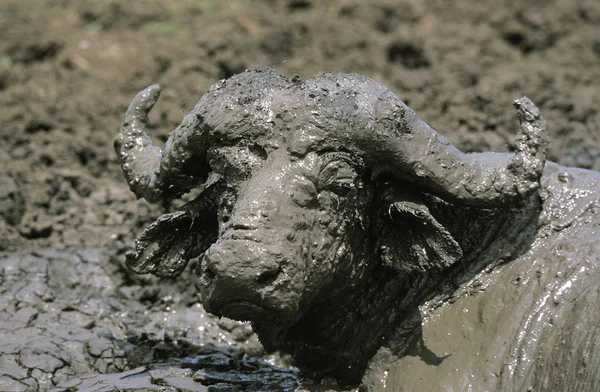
(339, 223)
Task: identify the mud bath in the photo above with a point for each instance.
(344, 228)
(69, 69)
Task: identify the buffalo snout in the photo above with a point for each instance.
(237, 273)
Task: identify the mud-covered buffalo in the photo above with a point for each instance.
(342, 226)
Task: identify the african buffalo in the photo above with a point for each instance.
(363, 243)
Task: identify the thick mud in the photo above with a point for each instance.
(69, 317)
(68, 70)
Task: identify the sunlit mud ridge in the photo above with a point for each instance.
(357, 239)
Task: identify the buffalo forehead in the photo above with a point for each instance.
(240, 108)
(265, 108)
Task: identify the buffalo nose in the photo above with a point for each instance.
(243, 263)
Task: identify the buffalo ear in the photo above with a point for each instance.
(412, 240)
(166, 245)
(161, 248)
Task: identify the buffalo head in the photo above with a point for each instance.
(317, 195)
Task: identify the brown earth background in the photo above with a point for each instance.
(68, 69)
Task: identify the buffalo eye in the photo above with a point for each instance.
(338, 174)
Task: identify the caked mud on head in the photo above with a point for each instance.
(308, 186)
(296, 228)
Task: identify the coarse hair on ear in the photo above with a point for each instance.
(409, 238)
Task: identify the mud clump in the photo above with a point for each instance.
(12, 204)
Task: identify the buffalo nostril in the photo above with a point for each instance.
(243, 226)
(268, 277)
(210, 272)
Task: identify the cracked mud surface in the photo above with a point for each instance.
(68, 70)
(70, 319)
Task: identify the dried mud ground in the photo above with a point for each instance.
(69, 311)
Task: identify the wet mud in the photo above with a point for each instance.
(77, 320)
(69, 69)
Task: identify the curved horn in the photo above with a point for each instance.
(148, 171)
(139, 159)
(485, 179)
(400, 143)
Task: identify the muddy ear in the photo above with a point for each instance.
(412, 240)
(165, 246)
